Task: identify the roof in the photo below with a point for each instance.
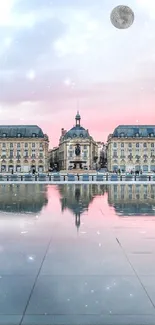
(134, 131)
(77, 132)
(25, 131)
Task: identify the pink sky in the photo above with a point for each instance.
(58, 56)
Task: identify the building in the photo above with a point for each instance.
(23, 148)
(102, 154)
(132, 148)
(77, 149)
(54, 158)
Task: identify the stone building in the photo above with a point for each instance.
(132, 148)
(23, 148)
(102, 154)
(54, 158)
(77, 149)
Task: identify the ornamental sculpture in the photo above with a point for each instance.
(77, 150)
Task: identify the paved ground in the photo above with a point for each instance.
(49, 274)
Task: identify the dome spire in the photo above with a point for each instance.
(77, 118)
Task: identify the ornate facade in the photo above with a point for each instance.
(132, 148)
(23, 148)
(77, 149)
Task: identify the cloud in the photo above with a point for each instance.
(28, 44)
(34, 5)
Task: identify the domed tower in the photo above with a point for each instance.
(77, 119)
(77, 148)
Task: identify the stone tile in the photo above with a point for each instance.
(21, 259)
(10, 319)
(14, 294)
(144, 264)
(149, 284)
(62, 295)
(78, 257)
(88, 320)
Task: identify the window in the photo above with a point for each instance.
(152, 145)
(137, 145)
(71, 147)
(18, 145)
(11, 153)
(122, 153)
(85, 147)
(3, 154)
(26, 153)
(26, 144)
(4, 145)
(115, 145)
(18, 153)
(130, 145)
(145, 145)
(33, 144)
(115, 153)
(122, 145)
(11, 145)
(145, 168)
(4, 135)
(33, 135)
(18, 135)
(40, 155)
(33, 153)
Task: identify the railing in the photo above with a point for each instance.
(76, 178)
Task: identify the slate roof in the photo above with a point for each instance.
(77, 132)
(25, 131)
(134, 131)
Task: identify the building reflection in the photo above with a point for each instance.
(23, 199)
(132, 199)
(77, 198)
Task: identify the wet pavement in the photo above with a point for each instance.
(77, 254)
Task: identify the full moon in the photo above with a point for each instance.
(122, 17)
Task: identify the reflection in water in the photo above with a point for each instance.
(132, 200)
(126, 199)
(77, 198)
(23, 198)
